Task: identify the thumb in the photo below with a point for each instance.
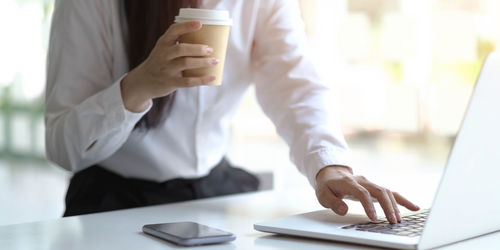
(329, 200)
(339, 206)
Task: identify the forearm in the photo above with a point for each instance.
(89, 132)
(308, 124)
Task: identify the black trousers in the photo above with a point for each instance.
(96, 189)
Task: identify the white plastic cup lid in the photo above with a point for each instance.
(210, 17)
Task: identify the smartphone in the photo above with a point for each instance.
(188, 233)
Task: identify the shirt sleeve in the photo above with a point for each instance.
(85, 118)
(291, 93)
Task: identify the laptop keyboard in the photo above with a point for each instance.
(411, 225)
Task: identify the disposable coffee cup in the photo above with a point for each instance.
(214, 33)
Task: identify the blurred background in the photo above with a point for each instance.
(401, 70)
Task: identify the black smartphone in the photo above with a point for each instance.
(188, 233)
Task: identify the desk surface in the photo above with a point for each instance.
(237, 214)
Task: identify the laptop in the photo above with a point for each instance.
(466, 204)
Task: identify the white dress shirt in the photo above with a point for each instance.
(267, 47)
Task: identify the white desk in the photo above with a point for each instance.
(237, 213)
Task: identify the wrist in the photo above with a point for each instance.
(133, 97)
(334, 168)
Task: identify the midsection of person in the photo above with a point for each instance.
(195, 136)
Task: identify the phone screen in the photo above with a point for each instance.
(188, 230)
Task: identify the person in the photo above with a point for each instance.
(120, 115)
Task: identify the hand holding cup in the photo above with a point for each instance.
(161, 73)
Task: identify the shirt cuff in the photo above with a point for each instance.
(109, 105)
(129, 117)
(317, 160)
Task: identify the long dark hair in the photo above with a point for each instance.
(147, 20)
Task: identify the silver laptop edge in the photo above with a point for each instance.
(467, 201)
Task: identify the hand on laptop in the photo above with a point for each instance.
(334, 183)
